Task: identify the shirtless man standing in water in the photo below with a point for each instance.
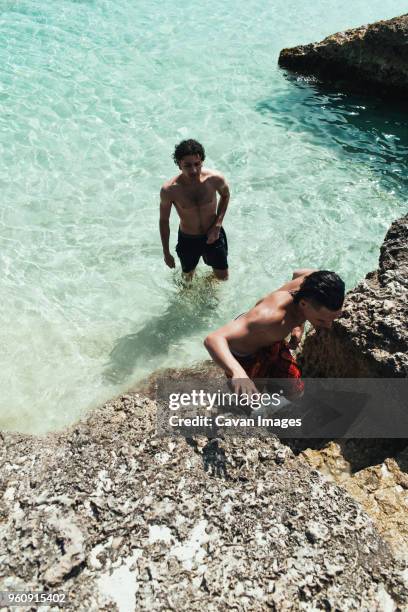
(194, 195)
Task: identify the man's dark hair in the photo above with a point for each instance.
(322, 287)
(188, 147)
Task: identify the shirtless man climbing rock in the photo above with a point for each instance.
(253, 345)
(193, 193)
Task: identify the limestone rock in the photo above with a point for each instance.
(371, 337)
(97, 512)
(371, 58)
(381, 489)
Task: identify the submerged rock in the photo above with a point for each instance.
(372, 58)
(371, 337)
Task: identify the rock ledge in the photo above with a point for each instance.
(120, 520)
(372, 58)
(371, 337)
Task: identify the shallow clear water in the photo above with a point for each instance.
(93, 97)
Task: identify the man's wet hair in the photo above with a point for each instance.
(188, 147)
(324, 288)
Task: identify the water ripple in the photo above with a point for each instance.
(93, 98)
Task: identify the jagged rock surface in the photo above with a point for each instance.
(371, 337)
(381, 489)
(121, 520)
(372, 58)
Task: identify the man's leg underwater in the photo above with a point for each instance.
(220, 274)
(188, 276)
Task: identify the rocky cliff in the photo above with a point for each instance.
(372, 58)
(371, 337)
(370, 340)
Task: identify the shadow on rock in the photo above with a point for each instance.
(214, 457)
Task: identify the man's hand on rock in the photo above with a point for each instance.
(244, 386)
(294, 341)
(296, 337)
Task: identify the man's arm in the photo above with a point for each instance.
(297, 332)
(217, 344)
(224, 192)
(165, 210)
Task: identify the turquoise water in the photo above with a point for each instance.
(94, 95)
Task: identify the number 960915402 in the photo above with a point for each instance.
(28, 598)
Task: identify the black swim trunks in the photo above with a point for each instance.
(191, 247)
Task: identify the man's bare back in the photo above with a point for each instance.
(272, 319)
(278, 315)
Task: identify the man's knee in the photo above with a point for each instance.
(220, 274)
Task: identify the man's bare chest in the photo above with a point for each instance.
(195, 197)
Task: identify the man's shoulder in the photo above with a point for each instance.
(170, 185)
(268, 311)
(214, 175)
(272, 308)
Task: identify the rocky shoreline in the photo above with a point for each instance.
(371, 59)
(371, 337)
(119, 519)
